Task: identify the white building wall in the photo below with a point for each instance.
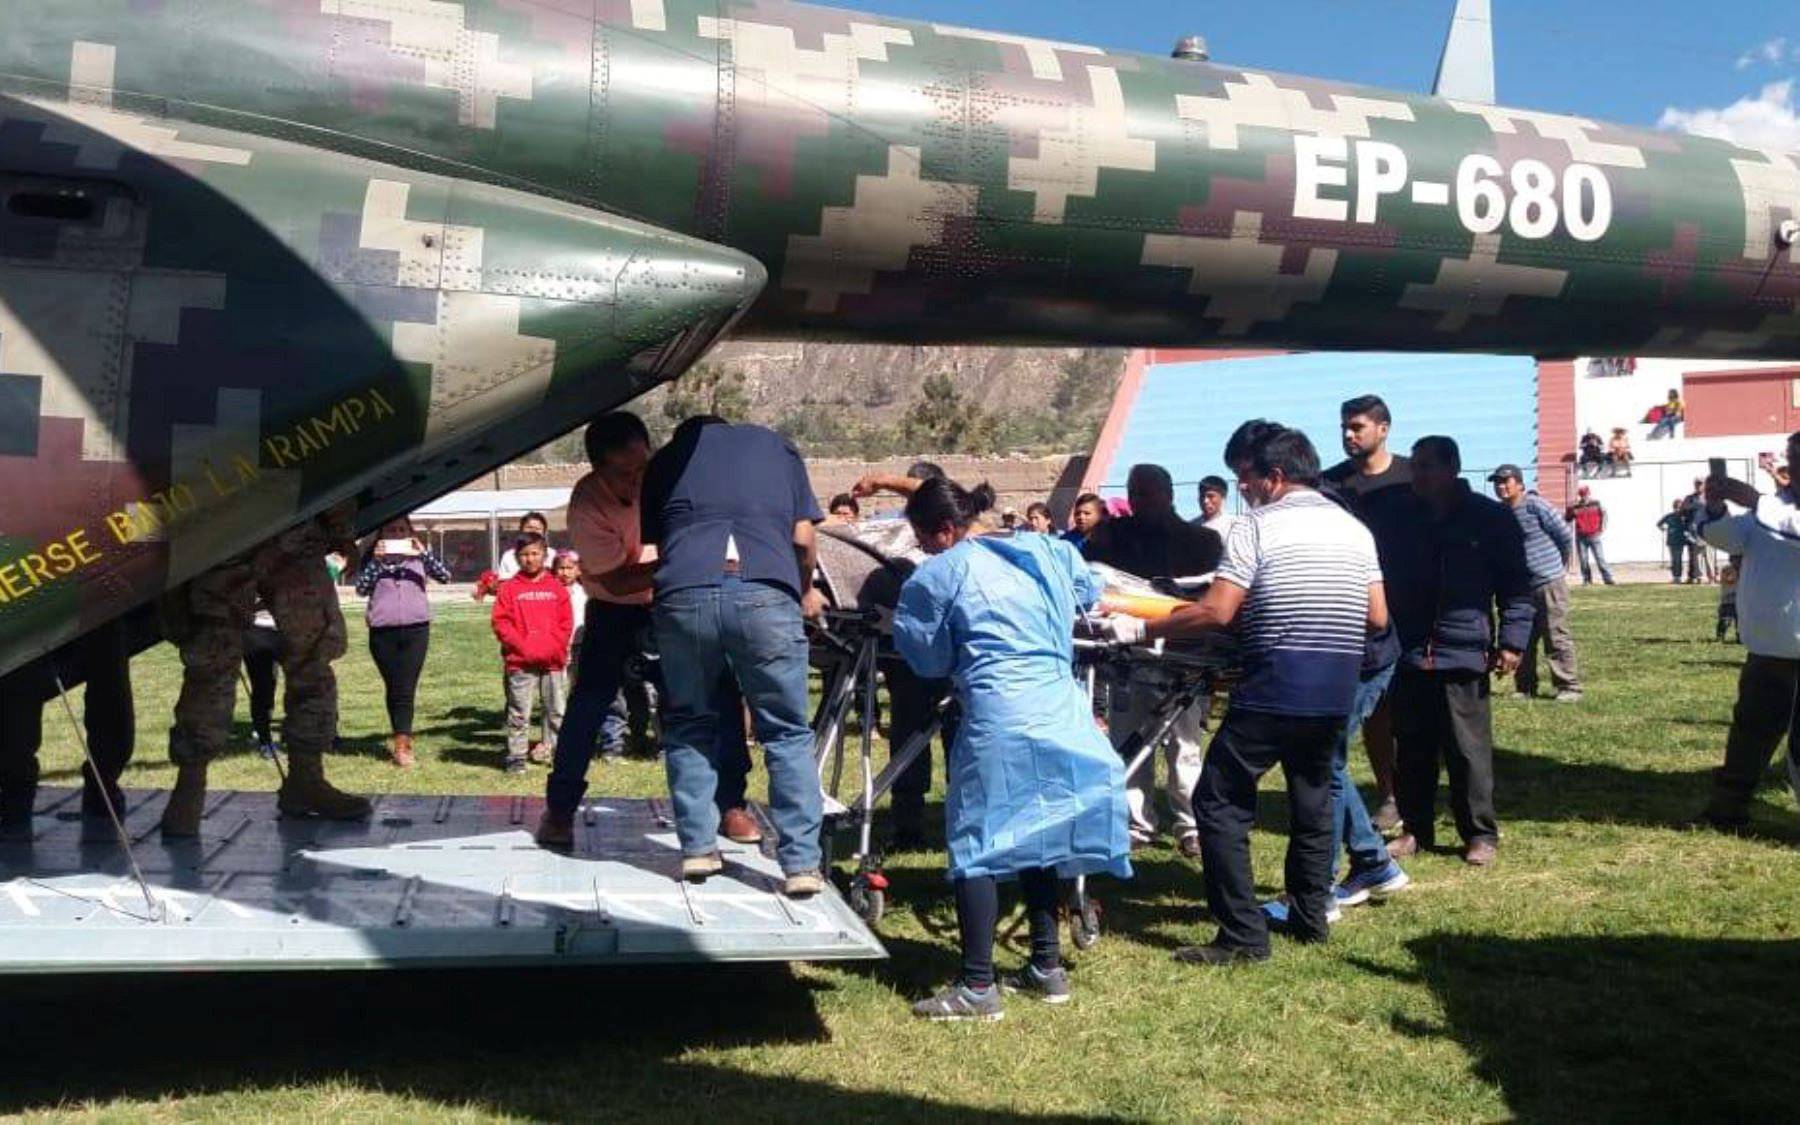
(1666, 469)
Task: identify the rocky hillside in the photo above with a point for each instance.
(881, 381)
(871, 401)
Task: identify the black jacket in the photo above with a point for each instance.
(1446, 578)
(1136, 546)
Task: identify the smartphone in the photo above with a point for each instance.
(397, 546)
(1716, 466)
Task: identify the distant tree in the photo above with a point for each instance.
(1085, 379)
(942, 421)
(708, 388)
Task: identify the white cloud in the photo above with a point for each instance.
(1771, 52)
(1769, 120)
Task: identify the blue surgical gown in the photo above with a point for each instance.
(1032, 781)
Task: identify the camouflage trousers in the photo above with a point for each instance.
(208, 624)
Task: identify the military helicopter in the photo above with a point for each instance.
(262, 257)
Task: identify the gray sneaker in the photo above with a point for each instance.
(803, 884)
(1569, 696)
(959, 1003)
(1051, 987)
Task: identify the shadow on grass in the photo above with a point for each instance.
(1638, 1028)
(481, 725)
(1529, 787)
(148, 754)
(568, 1044)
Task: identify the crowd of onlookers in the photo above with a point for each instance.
(1612, 457)
(1383, 595)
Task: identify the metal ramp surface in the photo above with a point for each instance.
(427, 881)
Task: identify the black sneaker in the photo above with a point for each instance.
(1051, 987)
(1214, 955)
(959, 1004)
(517, 765)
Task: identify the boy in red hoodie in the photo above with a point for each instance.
(533, 620)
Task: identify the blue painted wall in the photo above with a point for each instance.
(1185, 411)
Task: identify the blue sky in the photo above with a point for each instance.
(1725, 67)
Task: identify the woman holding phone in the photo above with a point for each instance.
(399, 614)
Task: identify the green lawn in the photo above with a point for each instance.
(1612, 966)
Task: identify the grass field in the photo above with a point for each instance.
(1612, 966)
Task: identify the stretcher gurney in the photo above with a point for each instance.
(1180, 676)
(861, 574)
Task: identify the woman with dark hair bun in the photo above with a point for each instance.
(1035, 793)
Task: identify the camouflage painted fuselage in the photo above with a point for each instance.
(297, 205)
(901, 179)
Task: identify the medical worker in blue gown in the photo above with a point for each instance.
(1034, 792)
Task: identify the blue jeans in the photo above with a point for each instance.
(610, 640)
(1589, 548)
(1350, 823)
(754, 633)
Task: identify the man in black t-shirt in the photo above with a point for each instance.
(1155, 542)
(1377, 486)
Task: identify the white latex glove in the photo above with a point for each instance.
(1127, 630)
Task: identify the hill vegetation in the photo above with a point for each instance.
(860, 401)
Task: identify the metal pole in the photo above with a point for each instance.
(157, 911)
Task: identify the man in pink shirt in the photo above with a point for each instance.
(605, 527)
(617, 572)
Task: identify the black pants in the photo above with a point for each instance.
(1768, 708)
(101, 660)
(1445, 718)
(978, 913)
(1248, 745)
(261, 663)
(914, 702)
(1675, 551)
(399, 653)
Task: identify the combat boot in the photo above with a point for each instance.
(307, 793)
(16, 803)
(187, 801)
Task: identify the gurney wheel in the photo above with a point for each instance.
(868, 902)
(1084, 925)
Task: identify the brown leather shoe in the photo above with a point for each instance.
(1190, 847)
(403, 751)
(1480, 854)
(1387, 816)
(555, 830)
(738, 826)
(1400, 847)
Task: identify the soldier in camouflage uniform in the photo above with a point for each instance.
(207, 619)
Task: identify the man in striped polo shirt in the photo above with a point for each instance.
(1302, 586)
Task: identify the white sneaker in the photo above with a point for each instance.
(696, 868)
